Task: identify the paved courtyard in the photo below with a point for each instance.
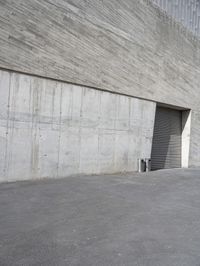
(134, 219)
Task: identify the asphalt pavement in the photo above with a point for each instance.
(150, 219)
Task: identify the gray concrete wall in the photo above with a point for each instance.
(51, 129)
(186, 139)
(194, 158)
(128, 47)
(125, 46)
(186, 12)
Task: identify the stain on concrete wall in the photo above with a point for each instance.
(54, 129)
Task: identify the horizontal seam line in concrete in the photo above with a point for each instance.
(90, 87)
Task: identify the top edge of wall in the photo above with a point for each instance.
(182, 14)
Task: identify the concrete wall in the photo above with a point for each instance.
(125, 46)
(186, 139)
(186, 12)
(50, 129)
(194, 158)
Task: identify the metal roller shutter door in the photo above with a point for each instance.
(166, 147)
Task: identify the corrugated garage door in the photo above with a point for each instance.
(166, 148)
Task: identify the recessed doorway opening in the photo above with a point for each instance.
(171, 139)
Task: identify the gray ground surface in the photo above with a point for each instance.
(148, 219)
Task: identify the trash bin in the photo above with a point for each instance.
(148, 164)
(141, 165)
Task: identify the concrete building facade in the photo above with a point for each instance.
(82, 82)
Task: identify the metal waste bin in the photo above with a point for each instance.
(148, 164)
(141, 165)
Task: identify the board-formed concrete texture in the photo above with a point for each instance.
(51, 129)
(123, 46)
(79, 84)
(132, 220)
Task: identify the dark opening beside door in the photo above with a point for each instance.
(166, 146)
